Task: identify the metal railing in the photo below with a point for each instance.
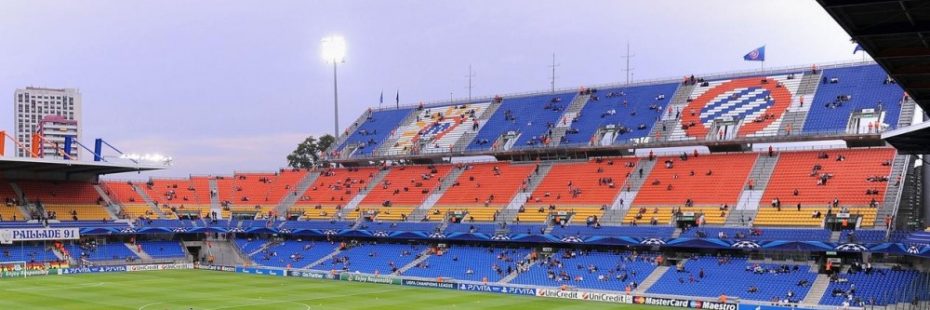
(707, 77)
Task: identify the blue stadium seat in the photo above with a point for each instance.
(163, 249)
(734, 279)
(631, 107)
(296, 254)
(862, 236)
(109, 251)
(375, 129)
(614, 231)
(374, 258)
(880, 287)
(531, 118)
(26, 253)
(592, 270)
(768, 234)
(458, 260)
(865, 85)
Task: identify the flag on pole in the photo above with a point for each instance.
(756, 54)
(381, 101)
(858, 48)
(397, 99)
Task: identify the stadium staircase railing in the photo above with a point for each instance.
(435, 194)
(817, 290)
(291, 197)
(324, 258)
(144, 256)
(215, 199)
(384, 146)
(509, 213)
(514, 274)
(148, 201)
(565, 122)
(353, 204)
(889, 207)
(748, 204)
(467, 138)
(425, 254)
(621, 205)
(667, 120)
(793, 121)
(652, 278)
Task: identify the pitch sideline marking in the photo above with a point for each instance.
(295, 301)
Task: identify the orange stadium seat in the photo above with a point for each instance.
(405, 186)
(850, 180)
(482, 189)
(68, 200)
(708, 180)
(335, 187)
(581, 187)
(122, 192)
(556, 188)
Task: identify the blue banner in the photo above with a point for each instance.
(261, 271)
(93, 269)
(433, 284)
(496, 289)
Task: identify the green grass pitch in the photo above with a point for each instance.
(203, 290)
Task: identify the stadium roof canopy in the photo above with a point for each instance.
(61, 170)
(897, 35)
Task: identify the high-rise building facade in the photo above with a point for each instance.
(56, 112)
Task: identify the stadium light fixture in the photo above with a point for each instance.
(155, 158)
(334, 50)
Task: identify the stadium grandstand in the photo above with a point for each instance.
(665, 188)
(784, 188)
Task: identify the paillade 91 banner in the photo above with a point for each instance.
(11, 235)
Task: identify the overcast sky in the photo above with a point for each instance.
(227, 86)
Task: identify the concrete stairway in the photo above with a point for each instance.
(263, 247)
(515, 273)
(103, 194)
(907, 113)
(434, 195)
(323, 259)
(301, 187)
(652, 279)
(113, 209)
(144, 256)
(835, 236)
(224, 252)
(899, 166)
(818, 288)
(25, 207)
(385, 147)
(797, 114)
(148, 201)
(621, 204)
(61, 256)
(462, 144)
(509, 213)
(748, 204)
(215, 199)
(565, 122)
(423, 256)
(678, 103)
(349, 131)
(353, 204)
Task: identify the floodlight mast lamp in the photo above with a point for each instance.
(334, 50)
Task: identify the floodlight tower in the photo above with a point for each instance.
(334, 50)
